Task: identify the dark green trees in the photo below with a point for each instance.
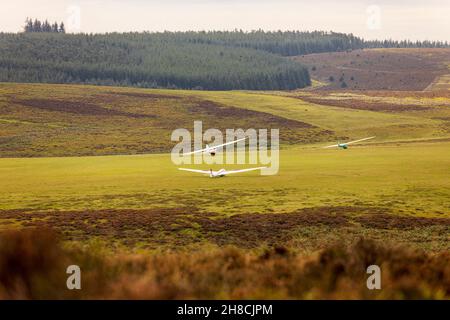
(143, 60)
(38, 26)
(208, 60)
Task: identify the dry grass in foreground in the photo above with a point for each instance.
(33, 266)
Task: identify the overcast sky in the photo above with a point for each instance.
(396, 19)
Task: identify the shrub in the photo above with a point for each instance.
(33, 265)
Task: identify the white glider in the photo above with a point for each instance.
(221, 172)
(212, 150)
(345, 144)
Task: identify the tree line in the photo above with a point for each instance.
(294, 43)
(187, 60)
(405, 44)
(143, 60)
(39, 26)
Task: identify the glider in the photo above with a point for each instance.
(345, 144)
(212, 150)
(221, 172)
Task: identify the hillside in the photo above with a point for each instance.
(380, 69)
(184, 60)
(62, 120)
(73, 120)
(143, 61)
(392, 190)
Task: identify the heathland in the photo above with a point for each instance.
(94, 163)
(86, 178)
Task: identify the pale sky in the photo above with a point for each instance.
(371, 19)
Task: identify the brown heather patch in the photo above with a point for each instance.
(374, 69)
(129, 226)
(169, 226)
(215, 109)
(201, 108)
(77, 108)
(252, 230)
(179, 227)
(33, 265)
(291, 131)
(387, 221)
(405, 94)
(360, 104)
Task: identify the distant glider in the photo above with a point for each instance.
(212, 150)
(345, 144)
(221, 172)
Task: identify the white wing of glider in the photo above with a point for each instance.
(213, 147)
(359, 140)
(242, 170)
(197, 171)
(347, 143)
(333, 146)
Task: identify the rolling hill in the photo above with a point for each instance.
(212, 60)
(73, 120)
(380, 69)
(69, 163)
(61, 120)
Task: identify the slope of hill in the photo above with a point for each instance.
(379, 69)
(143, 60)
(186, 60)
(63, 120)
(73, 120)
(393, 189)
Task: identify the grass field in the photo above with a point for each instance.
(410, 179)
(398, 192)
(395, 187)
(93, 164)
(346, 121)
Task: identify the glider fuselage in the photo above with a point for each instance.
(212, 151)
(217, 174)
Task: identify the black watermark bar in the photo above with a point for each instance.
(236, 309)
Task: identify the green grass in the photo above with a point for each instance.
(344, 121)
(377, 181)
(61, 120)
(409, 179)
(42, 120)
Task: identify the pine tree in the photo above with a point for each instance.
(28, 25)
(46, 26)
(55, 27)
(37, 26)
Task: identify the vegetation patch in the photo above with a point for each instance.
(178, 227)
(33, 264)
(388, 221)
(361, 104)
(162, 60)
(77, 108)
(379, 69)
(80, 121)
